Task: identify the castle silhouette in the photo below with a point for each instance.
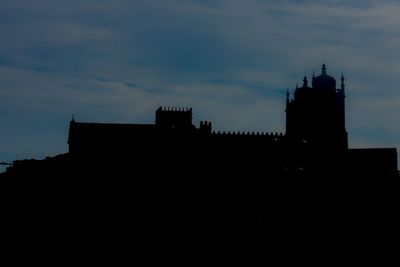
(315, 127)
(171, 188)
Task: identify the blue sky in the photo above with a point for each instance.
(231, 60)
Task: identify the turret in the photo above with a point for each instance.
(342, 83)
(305, 82)
(205, 127)
(287, 97)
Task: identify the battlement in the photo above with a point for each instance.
(274, 136)
(248, 133)
(174, 109)
(174, 117)
(205, 127)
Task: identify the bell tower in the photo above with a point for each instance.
(316, 115)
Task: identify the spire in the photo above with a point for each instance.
(73, 118)
(323, 72)
(342, 80)
(287, 96)
(313, 75)
(305, 82)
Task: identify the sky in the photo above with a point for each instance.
(230, 60)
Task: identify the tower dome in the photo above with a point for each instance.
(324, 81)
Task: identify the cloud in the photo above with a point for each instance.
(232, 61)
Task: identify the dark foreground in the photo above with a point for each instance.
(107, 212)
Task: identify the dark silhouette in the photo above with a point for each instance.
(317, 113)
(172, 188)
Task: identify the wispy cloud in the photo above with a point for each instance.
(230, 60)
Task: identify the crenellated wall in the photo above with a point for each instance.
(174, 133)
(174, 117)
(272, 135)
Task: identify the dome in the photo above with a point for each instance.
(324, 81)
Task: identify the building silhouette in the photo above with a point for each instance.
(316, 114)
(315, 138)
(173, 188)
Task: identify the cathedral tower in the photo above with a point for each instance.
(316, 114)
